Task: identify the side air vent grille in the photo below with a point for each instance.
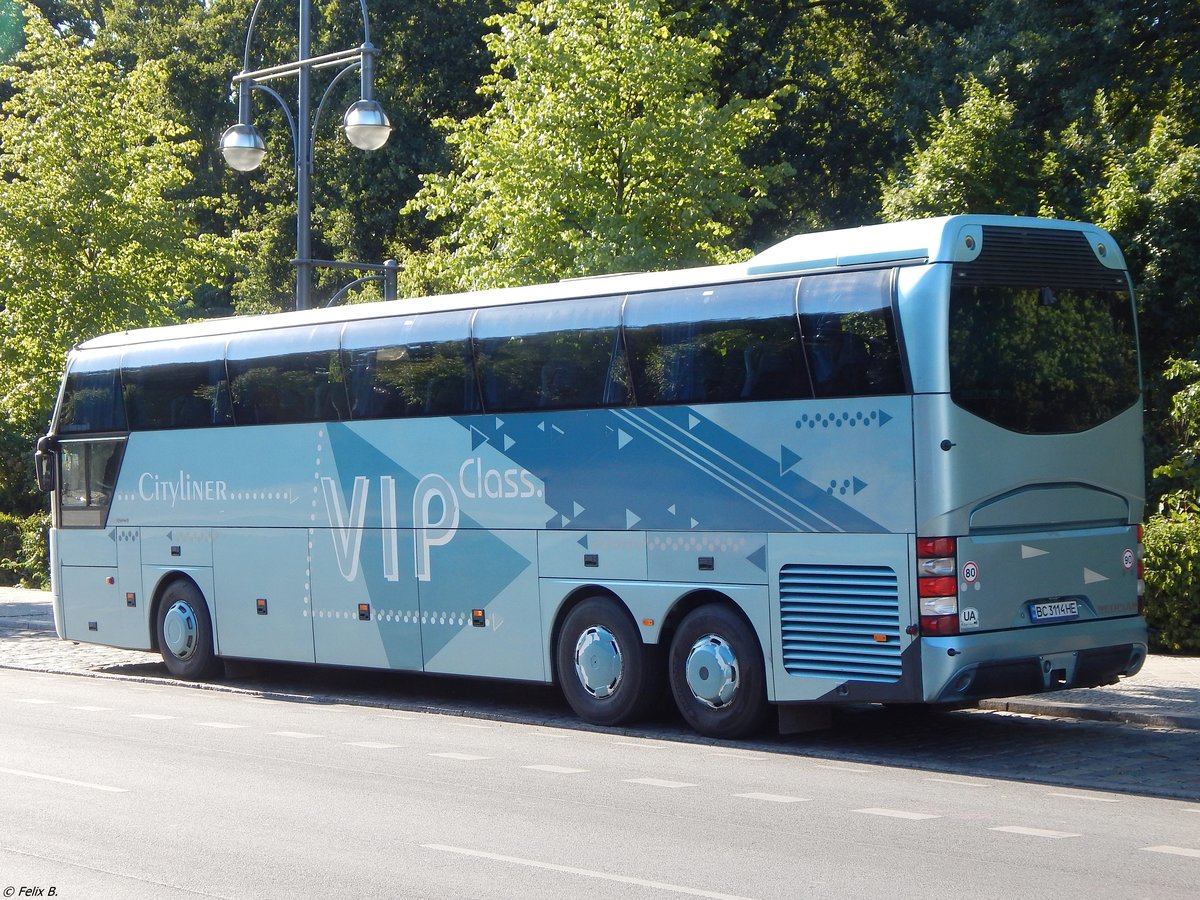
(1037, 257)
(840, 622)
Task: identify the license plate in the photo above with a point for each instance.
(1056, 611)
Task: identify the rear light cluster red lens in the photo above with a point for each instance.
(937, 585)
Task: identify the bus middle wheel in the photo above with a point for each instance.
(606, 672)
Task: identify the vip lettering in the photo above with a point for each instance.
(181, 489)
(435, 517)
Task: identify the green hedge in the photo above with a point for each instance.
(24, 551)
(1173, 582)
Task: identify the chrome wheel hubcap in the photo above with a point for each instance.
(712, 671)
(598, 661)
(180, 630)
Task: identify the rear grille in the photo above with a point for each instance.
(1037, 257)
(830, 617)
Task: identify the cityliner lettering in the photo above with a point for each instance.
(183, 488)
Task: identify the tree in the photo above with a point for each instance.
(93, 234)
(975, 160)
(605, 148)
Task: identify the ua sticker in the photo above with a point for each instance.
(968, 618)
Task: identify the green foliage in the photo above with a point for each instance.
(24, 550)
(975, 160)
(1172, 572)
(605, 148)
(93, 235)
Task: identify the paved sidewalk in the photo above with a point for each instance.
(1165, 694)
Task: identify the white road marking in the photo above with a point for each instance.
(93, 708)
(462, 757)
(70, 781)
(153, 716)
(220, 725)
(641, 745)
(897, 814)
(774, 798)
(586, 873)
(34, 700)
(958, 782)
(471, 725)
(1034, 832)
(556, 770)
(1086, 797)
(1177, 851)
(372, 745)
(659, 782)
(841, 768)
(295, 734)
(398, 718)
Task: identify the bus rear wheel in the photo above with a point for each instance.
(717, 673)
(184, 632)
(608, 675)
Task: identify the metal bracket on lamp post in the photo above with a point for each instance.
(365, 124)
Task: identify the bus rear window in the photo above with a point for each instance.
(1042, 360)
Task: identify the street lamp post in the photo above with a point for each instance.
(365, 124)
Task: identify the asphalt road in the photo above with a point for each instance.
(114, 788)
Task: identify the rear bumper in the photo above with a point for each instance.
(1031, 660)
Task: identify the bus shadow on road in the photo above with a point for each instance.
(1102, 756)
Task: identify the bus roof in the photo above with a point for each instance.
(914, 242)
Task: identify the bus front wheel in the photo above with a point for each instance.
(608, 675)
(717, 675)
(185, 632)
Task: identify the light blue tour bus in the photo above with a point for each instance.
(898, 464)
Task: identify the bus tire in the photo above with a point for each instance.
(184, 632)
(607, 673)
(717, 673)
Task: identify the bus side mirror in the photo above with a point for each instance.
(43, 463)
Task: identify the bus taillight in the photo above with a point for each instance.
(937, 585)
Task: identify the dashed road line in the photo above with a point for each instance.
(295, 734)
(959, 782)
(69, 781)
(461, 757)
(842, 768)
(1177, 851)
(93, 708)
(372, 745)
(774, 798)
(1085, 797)
(154, 717)
(897, 814)
(586, 873)
(659, 782)
(556, 770)
(34, 700)
(220, 725)
(1034, 832)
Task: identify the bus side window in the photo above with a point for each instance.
(554, 355)
(292, 375)
(851, 344)
(183, 386)
(410, 366)
(720, 344)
